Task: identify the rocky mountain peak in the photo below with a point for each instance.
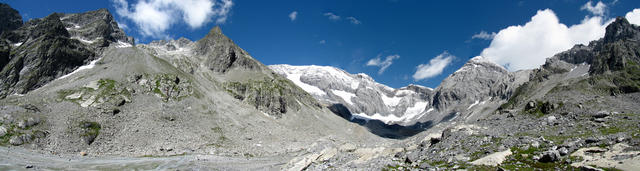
(215, 30)
(49, 26)
(97, 28)
(10, 19)
(621, 29)
(223, 54)
(483, 62)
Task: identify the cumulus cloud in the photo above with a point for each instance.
(484, 35)
(599, 9)
(434, 67)
(322, 42)
(293, 15)
(332, 16)
(353, 20)
(154, 17)
(382, 64)
(527, 46)
(633, 16)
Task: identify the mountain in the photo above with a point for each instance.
(365, 98)
(78, 94)
(44, 49)
(477, 87)
(385, 111)
(76, 83)
(580, 100)
(585, 98)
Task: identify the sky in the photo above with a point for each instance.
(396, 42)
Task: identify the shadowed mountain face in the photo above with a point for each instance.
(10, 19)
(44, 49)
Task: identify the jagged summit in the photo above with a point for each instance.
(10, 18)
(222, 54)
(621, 29)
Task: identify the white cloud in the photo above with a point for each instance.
(353, 20)
(484, 35)
(122, 25)
(599, 9)
(382, 64)
(322, 42)
(154, 17)
(633, 16)
(293, 15)
(332, 16)
(527, 46)
(434, 67)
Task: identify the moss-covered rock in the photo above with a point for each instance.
(166, 86)
(95, 93)
(272, 96)
(90, 130)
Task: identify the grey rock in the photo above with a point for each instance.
(31, 121)
(551, 119)
(599, 120)
(601, 114)
(549, 156)
(3, 131)
(424, 165)
(591, 140)
(563, 151)
(535, 144)
(22, 124)
(589, 168)
(412, 157)
(16, 140)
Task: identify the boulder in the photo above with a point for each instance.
(563, 151)
(549, 156)
(3, 131)
(601, 114)
(16, 140)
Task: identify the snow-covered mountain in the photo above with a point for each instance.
(365, 98)
(479, 85)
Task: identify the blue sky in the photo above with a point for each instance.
(414, 32)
